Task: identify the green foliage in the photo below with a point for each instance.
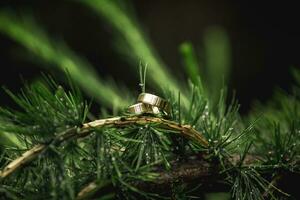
(215, 65)
(115, 161)
(120, 158)
(277, 134)
(135, 44)
(191, 64)
(47, 111)
(10, 140)
(46, 108)
(151, 144)
(248, 184)
(218, 63)
(54, 54)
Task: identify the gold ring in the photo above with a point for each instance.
(154, 100)
(141, 108)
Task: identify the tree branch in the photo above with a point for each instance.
(196, 170)
(86, 129)
(22, 160)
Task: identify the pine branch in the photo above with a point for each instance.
(198, 170)
(88, 128)
(87, 190)
(22, 160)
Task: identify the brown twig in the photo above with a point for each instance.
(197, 170)
(88, 190)
(87, 128)
(22, 160)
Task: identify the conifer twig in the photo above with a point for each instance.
(87, 190)
(187, 171)
(87, 128)
(200, 170)
(22, 160)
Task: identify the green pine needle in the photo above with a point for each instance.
(56, 54)
(191, 64)
(135, 40)
(45, 110)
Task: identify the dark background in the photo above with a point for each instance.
(265, 40)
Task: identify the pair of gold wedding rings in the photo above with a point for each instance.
(150, 104)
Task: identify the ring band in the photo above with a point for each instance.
(141, 108)
(154, 101)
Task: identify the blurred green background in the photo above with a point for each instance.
(254, 44)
